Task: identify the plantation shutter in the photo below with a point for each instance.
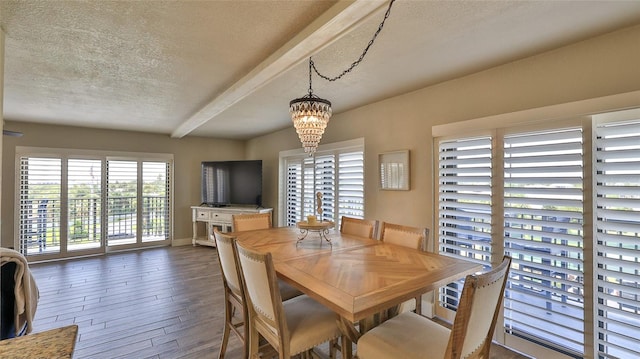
(84, 203)
(543, 209)
(325, 184)
(464, 206)
(122, 201)
(617, 268)
(308, 190)
(337, 174)
(155, 201)
(350, 201)
(293, 192)
(40, 192)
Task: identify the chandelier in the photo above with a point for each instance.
(310, 114)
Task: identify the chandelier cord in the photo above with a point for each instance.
(359, 60)
(310, 89)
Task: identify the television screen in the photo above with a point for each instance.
(227, 183)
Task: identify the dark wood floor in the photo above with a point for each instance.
(154, 303)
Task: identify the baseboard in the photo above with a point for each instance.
(181, 242)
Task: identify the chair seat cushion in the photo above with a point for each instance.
(310, 323)
(406, 336)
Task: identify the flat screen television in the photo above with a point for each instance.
(226, 183)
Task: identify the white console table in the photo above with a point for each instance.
(220, 217)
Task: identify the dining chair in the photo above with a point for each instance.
(411, 237)
(234, 298)
(233, 294)
(359, 227)
(251, 221)
(291, 327)
(410, 335)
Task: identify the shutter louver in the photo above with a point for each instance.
(337, 174)
(155, 201)
(40, 190)
(617, 168)
(543, 175)
(309, 194)
(325, 184)
(293, 190)
(351, 184)
(464, 225)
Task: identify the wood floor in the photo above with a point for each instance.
(153, 303)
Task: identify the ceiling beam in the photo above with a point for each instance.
(323, 31)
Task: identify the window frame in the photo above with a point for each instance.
(335, 149)
(582, 112)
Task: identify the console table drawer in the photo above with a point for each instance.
(202, 215)
(220, 217)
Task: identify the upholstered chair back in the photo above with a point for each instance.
(251, 221)
(358, 227)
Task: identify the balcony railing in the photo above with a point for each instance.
(40, 222)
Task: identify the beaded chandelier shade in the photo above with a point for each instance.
(310, 114)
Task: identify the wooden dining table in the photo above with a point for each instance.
(353, 276)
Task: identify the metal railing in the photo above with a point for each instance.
(40, 221)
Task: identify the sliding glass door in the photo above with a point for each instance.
(79, 204)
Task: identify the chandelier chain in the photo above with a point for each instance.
(359, 60)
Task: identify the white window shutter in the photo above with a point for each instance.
(40, 193)
(617, 212)
(543, 179)
(337, 173)
(464, 206)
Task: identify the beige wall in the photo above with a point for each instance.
(598, 67)
(187, 152)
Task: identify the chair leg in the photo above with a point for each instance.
(227, 329)
(332, 348)
(252, 343)
(347, 350)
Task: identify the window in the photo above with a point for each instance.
(84, 198)
(39, 207)
(464, 182)
(543, 223)
(122, 201)
(336, 172)
(155, 201)
(617, 177)
(533, 206)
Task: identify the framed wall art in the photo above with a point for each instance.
(394, 170)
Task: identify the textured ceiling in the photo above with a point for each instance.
(229, 68)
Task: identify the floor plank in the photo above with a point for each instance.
(159, 303)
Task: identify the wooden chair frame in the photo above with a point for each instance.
(461, 322)
(412, 237)
(233, 297)
(251, 221)
(470, 336)
(421, 235)
(367, 228)
(274, 330)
